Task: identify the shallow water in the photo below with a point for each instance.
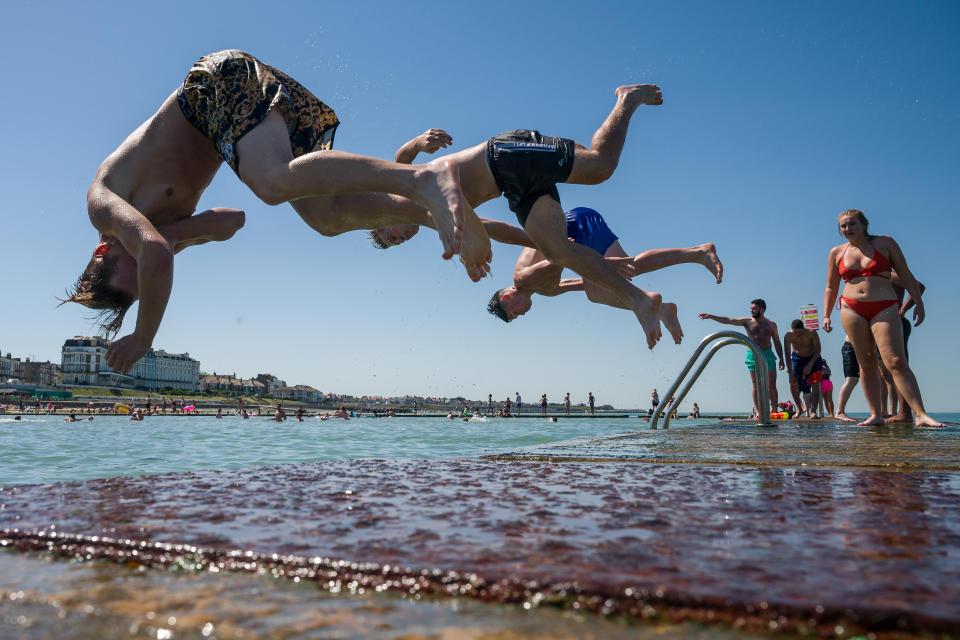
(108, 600)
(806, 527)
(47, 449)
(39, 449)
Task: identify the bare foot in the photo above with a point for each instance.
(871, 421)
(634, 95)
(668, 316)
(709, 259)
(900, 417)
(843, 417)
(923, 420)
(648, 313)
(475, 253)
(438, 189)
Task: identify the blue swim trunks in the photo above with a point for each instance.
(767, 355)
(587, 227)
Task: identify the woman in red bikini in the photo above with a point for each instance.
(870, 312)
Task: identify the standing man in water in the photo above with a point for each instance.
(276, 137)
(763, 331)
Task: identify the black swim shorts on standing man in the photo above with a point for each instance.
(527, 165)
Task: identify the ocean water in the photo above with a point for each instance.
(44, 448)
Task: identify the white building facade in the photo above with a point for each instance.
(159, 369)
(84, 363)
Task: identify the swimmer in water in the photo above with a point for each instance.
(525, 167)
(276, 137)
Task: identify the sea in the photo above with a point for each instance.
(429, 527)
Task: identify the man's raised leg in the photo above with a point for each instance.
(546, 226)
(596, 164)
(267, 166)
(656, 259)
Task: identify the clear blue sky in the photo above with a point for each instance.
(776, 117)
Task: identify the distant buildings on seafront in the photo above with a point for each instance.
(40, 373)
(83, 362)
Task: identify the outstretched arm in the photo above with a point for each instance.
(114, 217)
(506, 233)
(565, 285)
(427, 142)
(738, 322)
(214, 225)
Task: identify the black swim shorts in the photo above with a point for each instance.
(527, 165)
(228, 93)
(851, 368)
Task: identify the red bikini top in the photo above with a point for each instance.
(878, 266)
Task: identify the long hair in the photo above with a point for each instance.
(92, 289)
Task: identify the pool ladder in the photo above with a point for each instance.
(722, 339)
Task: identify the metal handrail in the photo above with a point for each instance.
(696, 374)
(729, 337)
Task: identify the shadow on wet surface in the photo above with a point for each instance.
(830, 551)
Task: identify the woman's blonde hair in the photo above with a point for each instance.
(859, 215)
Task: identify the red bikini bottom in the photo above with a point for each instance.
(868, 308)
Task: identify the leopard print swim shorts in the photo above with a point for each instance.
(228, 93)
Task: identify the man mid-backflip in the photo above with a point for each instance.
(276, 136)
(525, 167)
(535, 274)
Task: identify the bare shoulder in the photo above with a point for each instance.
(886, 243)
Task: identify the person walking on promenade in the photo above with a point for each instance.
(543, 405)
(764, 332)
(591, 400)
(566, 403)
(519, 403)
(870, 311)
(654, 401)
(276, 137)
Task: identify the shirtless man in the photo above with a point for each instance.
(276, 136)
(525, 167)
(802, 346)
(764, 332)
(535, 274)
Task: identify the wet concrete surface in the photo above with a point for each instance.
(760, 548)
(788, 442)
